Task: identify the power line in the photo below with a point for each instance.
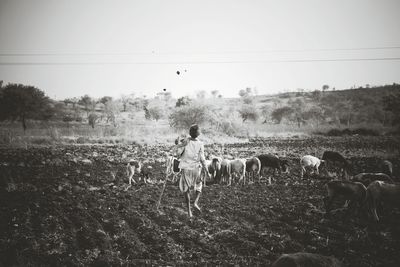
(198, 53)
(195, 62)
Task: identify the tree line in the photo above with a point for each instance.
(22, 103)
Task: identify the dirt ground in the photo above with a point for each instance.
(68, 205)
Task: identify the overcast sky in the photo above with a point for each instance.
(74, 47)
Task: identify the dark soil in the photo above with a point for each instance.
(67, 205)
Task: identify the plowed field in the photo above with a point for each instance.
(68, 205)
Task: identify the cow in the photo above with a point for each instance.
(237, 167)
(303, 259)
(253, 167)
(215, 168)
(379, 192)
(273, 162)
(225, 170)
(310, 162)
(133, 166)
(354, 192)
(333, 157)
(368, 177)
(387, 168)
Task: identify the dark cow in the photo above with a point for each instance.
(225, 170)
(368, 177)
(333, 157)
(273, 162)
(302, 259)
(379, 192)
(354, 192)
(215, 168)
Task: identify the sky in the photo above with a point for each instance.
(69, 48)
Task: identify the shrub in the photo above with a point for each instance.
(248, 112)
(155, 112)
(92, 119)
(359, 131)
(363, 131)
(184, 117)
(68, 118)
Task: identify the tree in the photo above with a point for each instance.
(298, 108)
(183, 101)
(24, 102)
(316, 95)
(265, 112)
(105, 99)
(248, 112)
(325, 87)
(392, 104)
(125, 100)
(183, 117)
(278, 114)
(92, 119)
(88, 103)
(314, 113)
(201, 94)
(110, 109)
(248, 100)
(155, 112)
(242, 93)
(214, 93)
(166, 96)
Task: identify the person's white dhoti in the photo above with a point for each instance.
(191, 178)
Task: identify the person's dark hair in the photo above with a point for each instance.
(194, 131)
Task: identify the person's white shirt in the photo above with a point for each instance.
(193, 155)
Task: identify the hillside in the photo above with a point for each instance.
(159, 120)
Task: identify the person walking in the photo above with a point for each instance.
(191, 163)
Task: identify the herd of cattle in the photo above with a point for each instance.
(361, 190)
(364, 190)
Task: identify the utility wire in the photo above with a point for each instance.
(198, 53)
(196, 62)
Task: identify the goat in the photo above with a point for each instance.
(311, 162)
(133, 167)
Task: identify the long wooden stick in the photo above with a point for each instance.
(162, 192)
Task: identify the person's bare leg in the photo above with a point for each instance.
(196, 201)
(187, 197)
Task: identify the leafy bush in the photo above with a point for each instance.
(284, 112)
(248, 112)
(183, 101)
(68, 118)
(184, 117)
(155, 112)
